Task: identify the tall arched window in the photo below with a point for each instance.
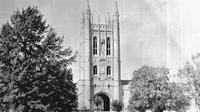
(95, 70)
(108, 70)
(95, 45)
(108, 46)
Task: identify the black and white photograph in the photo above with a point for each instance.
(99, 56)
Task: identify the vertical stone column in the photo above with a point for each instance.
(116, 56)
(81, 66)
(85, 82)
(88, 60)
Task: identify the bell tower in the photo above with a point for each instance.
(99, 62)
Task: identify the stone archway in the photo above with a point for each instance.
(101, 102)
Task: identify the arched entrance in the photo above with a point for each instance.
(101, 102)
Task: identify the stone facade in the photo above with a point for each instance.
(100, 70)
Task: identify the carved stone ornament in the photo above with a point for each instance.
(102, 66)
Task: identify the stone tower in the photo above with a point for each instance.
(100, 71)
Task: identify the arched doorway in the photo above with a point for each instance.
(101, 102)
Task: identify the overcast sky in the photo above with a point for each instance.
(145, 25)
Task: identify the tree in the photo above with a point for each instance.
(98, 102)
(150, 90)
(190, 74)
(117, 105)
(178, 99)
(34, 67)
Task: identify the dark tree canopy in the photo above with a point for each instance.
(150, 90)
(34, 67)
(117, 105)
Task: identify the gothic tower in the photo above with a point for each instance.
(100, 71)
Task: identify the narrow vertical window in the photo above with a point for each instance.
(108, 70)
(108, 46)
(95, 45)
(95, 70)
(108, 86)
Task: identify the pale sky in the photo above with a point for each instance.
(145, 26)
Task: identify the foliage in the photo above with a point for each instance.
(190, 75)
(98, 101)
(117, 105)
(178, 99)
(34, 66)
(150, 90)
